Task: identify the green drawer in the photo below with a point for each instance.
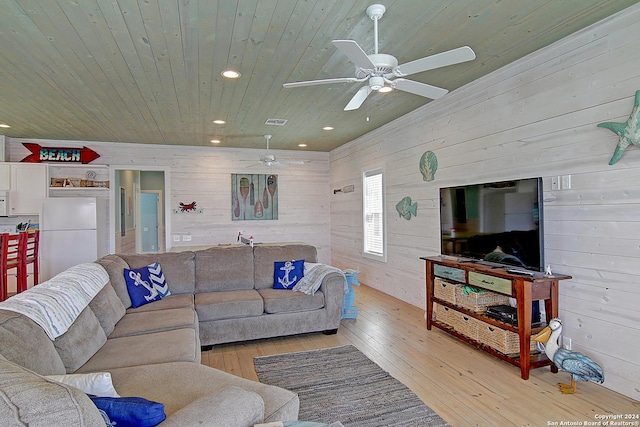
(449, 273)
(496, 284)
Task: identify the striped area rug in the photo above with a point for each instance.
(342, 384)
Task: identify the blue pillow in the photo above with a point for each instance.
(130, 411)
(146, 284)
(287, 273)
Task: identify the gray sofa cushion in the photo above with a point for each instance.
(83, 339)
(166, 303)
(108, 308)
(228, 305)
(266, 255)
(115, 268)
(286, 301)
(224, 268)
(231, 407)
(157, 347)
(190, 382)
(155, 321)
(29, 399)
(179, 268)
(27, 344)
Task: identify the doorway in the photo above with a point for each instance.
(139, 210)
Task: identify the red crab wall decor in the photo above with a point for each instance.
(187, 207)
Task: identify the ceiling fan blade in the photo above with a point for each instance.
(418, 88)
(358, 98)
(321, 82)
(450, 57)
(354, 52)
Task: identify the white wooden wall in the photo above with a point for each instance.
(535, 117)
(203, 174)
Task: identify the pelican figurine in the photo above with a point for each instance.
(577, 364)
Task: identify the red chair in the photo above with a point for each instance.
(9, 259)
(29, 241)
(3, 283)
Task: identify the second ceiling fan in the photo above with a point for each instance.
(381, 71)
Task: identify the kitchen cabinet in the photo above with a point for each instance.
(26, 185)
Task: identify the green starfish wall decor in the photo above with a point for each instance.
(628, 132)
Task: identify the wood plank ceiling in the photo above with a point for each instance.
(148, 71)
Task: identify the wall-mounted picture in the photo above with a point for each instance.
(254, 196)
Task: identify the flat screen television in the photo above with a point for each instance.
(498, 222)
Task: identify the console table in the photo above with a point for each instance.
(495, 277)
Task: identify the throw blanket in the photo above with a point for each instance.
(313, 276)
(56, 303)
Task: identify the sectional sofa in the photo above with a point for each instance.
(217, 295)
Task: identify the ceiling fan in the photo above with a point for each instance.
(382, 72)
(268, 159)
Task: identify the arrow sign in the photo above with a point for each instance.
(39, 154)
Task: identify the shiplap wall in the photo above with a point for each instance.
(535, 117)
(204, 175)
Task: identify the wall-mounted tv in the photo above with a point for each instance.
(495, 221)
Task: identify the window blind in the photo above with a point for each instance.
(373, 213)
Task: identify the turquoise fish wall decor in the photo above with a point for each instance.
(628, 131)
(428, 165)
(405, 208)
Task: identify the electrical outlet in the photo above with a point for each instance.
(554, 182)
(176, 237)
(566, 343)
(566, 182)
(186, 237)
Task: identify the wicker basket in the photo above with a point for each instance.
(444, 314)
(444, 290)
(479, 301)
(504, 341)
(467, 325)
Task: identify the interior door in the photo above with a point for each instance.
(149, 221)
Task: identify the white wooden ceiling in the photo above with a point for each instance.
(148, 71)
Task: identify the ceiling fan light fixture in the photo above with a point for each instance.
(376, 82)
(385, 89)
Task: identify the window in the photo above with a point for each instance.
(373, 214)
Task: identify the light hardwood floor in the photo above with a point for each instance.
(465, 386)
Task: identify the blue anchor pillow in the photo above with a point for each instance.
(287, 273)
(146, 284)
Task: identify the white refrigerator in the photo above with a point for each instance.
(68, 234)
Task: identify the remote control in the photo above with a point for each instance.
(516, 271)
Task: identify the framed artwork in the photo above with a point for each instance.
(254, 196)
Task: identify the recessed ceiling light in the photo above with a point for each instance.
(2, 125)
(327, 128)
(302, 145)
(230, 74)
(219, 122)
(215, 141)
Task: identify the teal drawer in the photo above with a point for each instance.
(492, 283)
(449, 273)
